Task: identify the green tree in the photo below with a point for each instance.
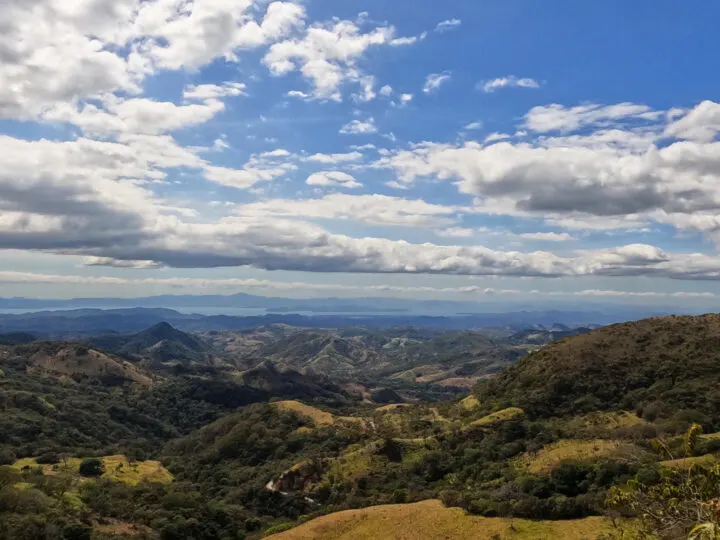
(92, 467)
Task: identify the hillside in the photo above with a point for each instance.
(291, 384)
(430, 520)
(662, 368)
(61, 359)
(160, 344)
(401, 356)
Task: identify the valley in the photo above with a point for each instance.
(349, 432)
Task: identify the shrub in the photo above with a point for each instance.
(7, 456)
(48, 458)
(282, 527)
(92, 467)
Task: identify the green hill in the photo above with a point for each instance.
(161, 344)
(661, 368)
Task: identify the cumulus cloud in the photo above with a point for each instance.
(96, 193)
(333, 179)
(557, 117)
(370, 209)
(359, 127)
(327, 57)
(700, 124)
(336, 158)
(204, 92)
(434, 81)
(609, 176)
(547, 236)
(511, 81)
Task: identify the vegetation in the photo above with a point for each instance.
(232, 450)
(429, 520)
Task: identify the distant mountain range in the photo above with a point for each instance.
(601, 313)
(85, 322)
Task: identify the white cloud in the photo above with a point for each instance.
(446, 26)
(190, 38)
(511, 81)
(136, 115)
(386, 90)
(456, 232)
(473, 126)
(602, 180)
(410, 40)
(204, 92)
(370, 209)
(547, 236)
(333, 179)
(495, 136)
(327, 56)
(700, 124)
(359, 127)
(565, 119)
(434, 81)
(337, 158)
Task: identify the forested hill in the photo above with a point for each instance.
(155, 446)
(657, 367)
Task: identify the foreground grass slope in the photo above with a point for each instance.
(430, 520)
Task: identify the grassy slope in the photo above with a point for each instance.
(556, 453)
(430, 520)
(117, 468)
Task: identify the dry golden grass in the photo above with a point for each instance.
(117, 468)
(114, 527)
(686, 463)
(612, 420)
(554, 454)
(430, 520)
(470, 402)
(392, 407)
(500, 416)
(316, 416)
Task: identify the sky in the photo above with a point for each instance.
(484, 150)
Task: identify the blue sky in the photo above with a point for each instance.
(491, 150)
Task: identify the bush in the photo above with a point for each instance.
(48, 458)
(77, 532)
(282, 527)
(7, 456)
(92, 467)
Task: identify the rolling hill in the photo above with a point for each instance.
(160, 344)
(661, 368)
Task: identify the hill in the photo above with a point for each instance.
(430, 520)
(665, 368)
(161, 344)
(291, 384)
(62, 359)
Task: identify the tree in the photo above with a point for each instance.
(680, 503)
(92, 467)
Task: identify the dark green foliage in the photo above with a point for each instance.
(655, 367)
(92, 467)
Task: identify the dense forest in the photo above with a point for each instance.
(612, 432)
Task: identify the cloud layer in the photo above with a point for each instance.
(113, 173)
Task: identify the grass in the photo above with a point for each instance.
(500, 416)
(554, 454)
(430, 520)
(316, 416)
(117, 468)
(469, 403)
(392, 407)
(686, 463)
